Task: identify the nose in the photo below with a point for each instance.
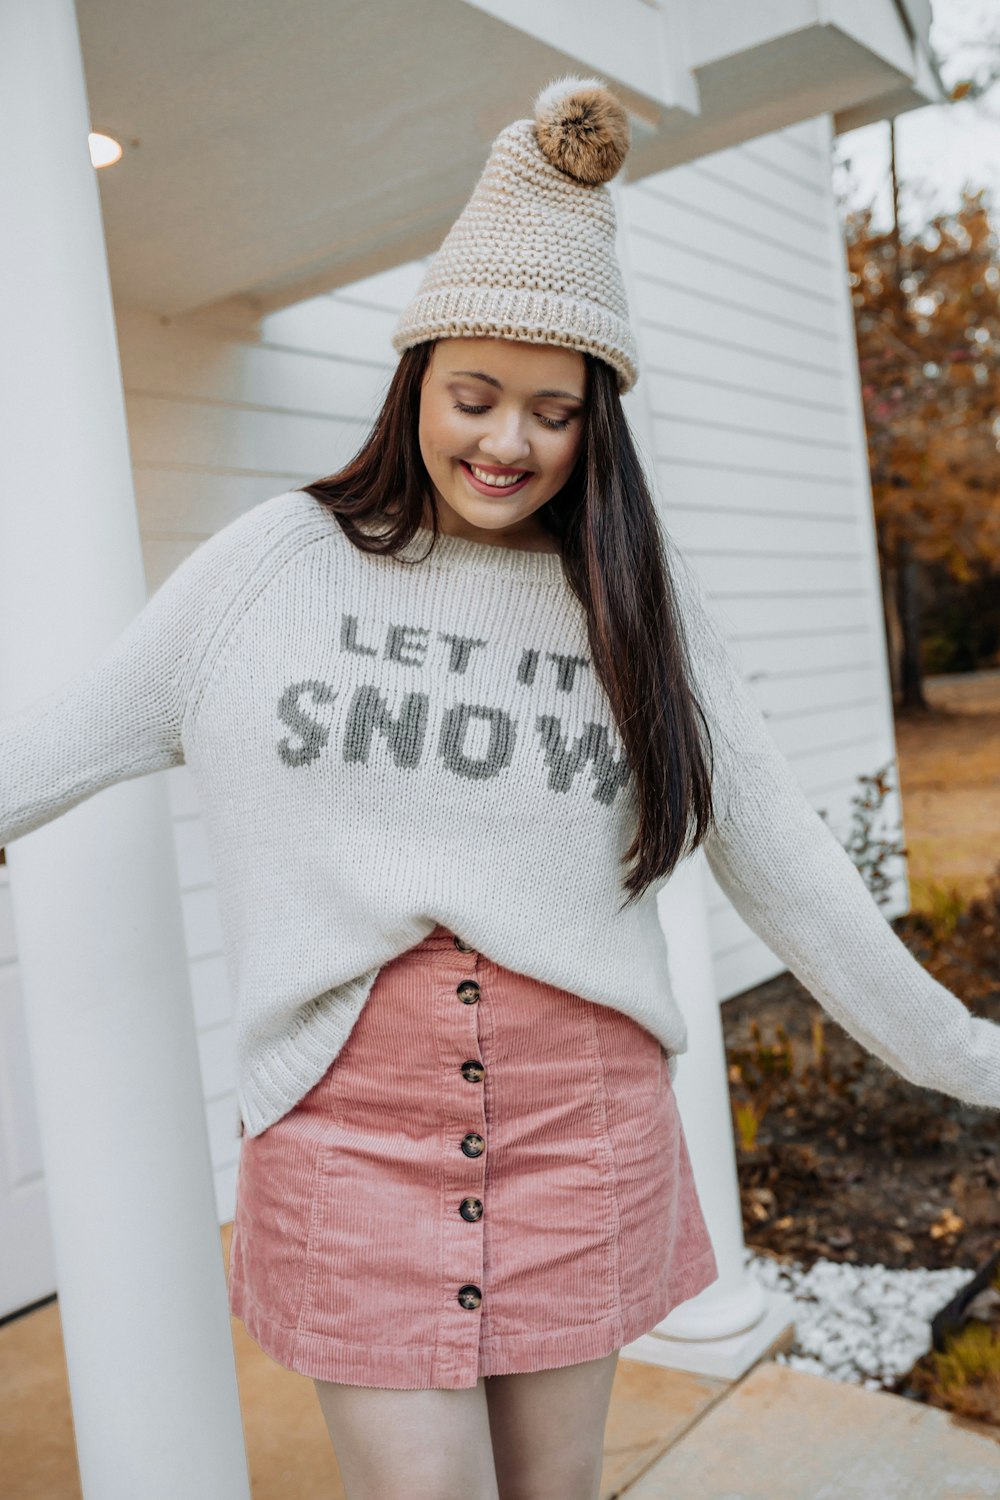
(506, 442)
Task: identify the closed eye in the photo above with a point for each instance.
(546, 421)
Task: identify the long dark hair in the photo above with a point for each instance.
(608, 532)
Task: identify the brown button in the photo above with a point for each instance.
(467, 991)
(469, 1295)
(472, 1144)
(462, 946)
(473, 1070)
(471, 1209)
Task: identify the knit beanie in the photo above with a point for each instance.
(531, 256)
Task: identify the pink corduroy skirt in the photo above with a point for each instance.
(490, 1178)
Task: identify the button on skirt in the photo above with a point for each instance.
(490, 1178)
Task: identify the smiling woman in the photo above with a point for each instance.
(508, 427)
(512, 696)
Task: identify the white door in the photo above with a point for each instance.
(27, 1260)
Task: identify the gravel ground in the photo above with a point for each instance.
(863, 1325)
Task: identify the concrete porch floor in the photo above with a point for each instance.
(777, 1434)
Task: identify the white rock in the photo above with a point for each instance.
(863, 1325)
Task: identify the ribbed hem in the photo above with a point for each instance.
(280, 1074)
(528, 316)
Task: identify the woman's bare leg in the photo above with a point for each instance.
(548, 1430)
(399, 1445)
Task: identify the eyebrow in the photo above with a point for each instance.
(492, 380)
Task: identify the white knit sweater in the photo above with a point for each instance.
(380, 745)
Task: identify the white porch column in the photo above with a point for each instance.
(728, 1326)
(110, 1023)
(731, 1324)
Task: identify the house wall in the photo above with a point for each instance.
(749, 414)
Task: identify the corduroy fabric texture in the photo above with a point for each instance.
(381, 744)
(531, 257)
(351, 1259)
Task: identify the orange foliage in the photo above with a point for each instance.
(927, 319)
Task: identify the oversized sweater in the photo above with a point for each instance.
(382, 744)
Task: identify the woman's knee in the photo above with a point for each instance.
(392, 1445)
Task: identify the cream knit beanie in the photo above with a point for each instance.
(531, 256)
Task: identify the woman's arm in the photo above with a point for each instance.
(118, 718)
(124, 715)
(795, 885)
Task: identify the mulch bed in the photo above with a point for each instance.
(851, 1162)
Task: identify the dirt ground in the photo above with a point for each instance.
(869, 1168)
(949, 778)
(855, 1163)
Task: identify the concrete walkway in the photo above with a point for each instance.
(782, 1434)
(777, 1434)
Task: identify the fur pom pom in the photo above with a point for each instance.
(582, 128)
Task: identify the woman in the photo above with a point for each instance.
(454, 714)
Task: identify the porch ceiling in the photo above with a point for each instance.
(272, 151)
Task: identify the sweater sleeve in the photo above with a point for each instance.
(124, 715)
(796, 886)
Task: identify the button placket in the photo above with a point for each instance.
(469, 1074)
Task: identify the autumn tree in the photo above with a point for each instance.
(927, 319)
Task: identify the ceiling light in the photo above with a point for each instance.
(104, 150)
